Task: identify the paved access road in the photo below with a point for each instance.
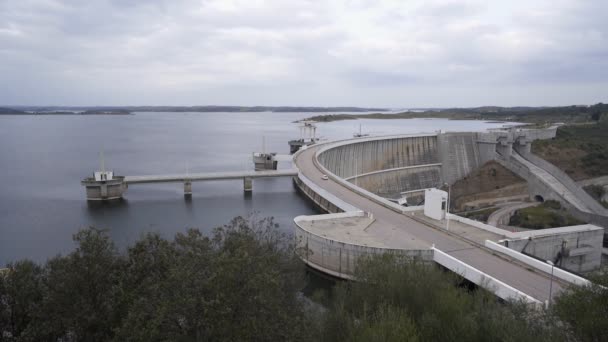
(508, 271)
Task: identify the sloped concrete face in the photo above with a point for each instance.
(369, 156)
(391, 184)
(459, 155)
(387, 167)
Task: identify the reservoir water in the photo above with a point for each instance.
(43, 159)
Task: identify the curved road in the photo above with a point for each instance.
(535, 284)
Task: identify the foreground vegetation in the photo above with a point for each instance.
(240, 284)
(244, 284)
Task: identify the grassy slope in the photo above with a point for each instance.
(480, 215)
(579, 150)
(550, 214)
(597, 192)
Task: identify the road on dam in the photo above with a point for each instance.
(502, 268)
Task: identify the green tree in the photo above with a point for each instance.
(585, 309)
(430, 304)
(81, 291)
(20, 298)
(240, 284)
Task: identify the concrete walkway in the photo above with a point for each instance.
(497, 218)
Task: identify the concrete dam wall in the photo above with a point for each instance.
(391, 165)
(390, 184)
(372, 155)
(387, 166)
(459, 154)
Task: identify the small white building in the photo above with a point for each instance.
(104, 175)
(435, 203)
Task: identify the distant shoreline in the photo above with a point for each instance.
(534, 115)
(53, 110)
(60, 114)
(12, 111)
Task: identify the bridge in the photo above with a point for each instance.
(360, 222)
(104, 185)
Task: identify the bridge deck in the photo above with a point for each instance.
(208, 176)
(508, 271)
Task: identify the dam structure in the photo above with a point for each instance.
(354, 180)
(362, 183)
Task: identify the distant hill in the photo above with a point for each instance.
(515, 114)
(6, 111)
(200, 109)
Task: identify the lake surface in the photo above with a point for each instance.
(43, 159)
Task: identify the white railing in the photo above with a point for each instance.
(486, 281)
(537, 264)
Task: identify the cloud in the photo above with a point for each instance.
(345, 52)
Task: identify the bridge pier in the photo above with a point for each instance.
(247, 184)
(187, 188)
(504, 147)
(522, 146)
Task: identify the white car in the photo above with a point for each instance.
(324, 177)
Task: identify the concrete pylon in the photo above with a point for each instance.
(247, 184)
(187, 188)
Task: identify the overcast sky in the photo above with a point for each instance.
(403, 53)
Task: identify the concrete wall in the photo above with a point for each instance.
(480, 225)
(339, 258)
(372, 155)
(384, 165)
(454, 155)
(459, 155)
(546, 243)
(538, 264)
(112, 189)
(581, 250)
(320, 197)
(488, 282)
(391, 184)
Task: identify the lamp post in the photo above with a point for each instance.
(551, 282)
(447, 209)
(356, 179)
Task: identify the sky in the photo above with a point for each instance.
(369, 53)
